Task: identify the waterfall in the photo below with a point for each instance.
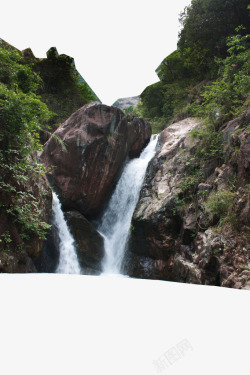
(68, 262)
(116, 220)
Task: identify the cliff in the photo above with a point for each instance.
(192, 221)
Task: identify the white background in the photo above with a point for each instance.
(117, 45)
(88, 325)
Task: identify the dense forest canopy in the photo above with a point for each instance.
(208, 28)
(208, 23)
(62, 89)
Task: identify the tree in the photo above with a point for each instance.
(210, 22)
(224, 98)
(153, 100)
(172, 68)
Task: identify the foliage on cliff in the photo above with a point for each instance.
(199, 190)
(22, 115)
(203, 48)
(62, 89)
(35, 96)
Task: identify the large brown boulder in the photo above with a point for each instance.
(97, 139)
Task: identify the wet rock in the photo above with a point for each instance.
(97, 139)
(88, 242)
(145, 267)
(48, 259)
(16, 262)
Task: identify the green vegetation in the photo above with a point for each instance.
(129, 110)
(208, 75)
(62, 90)
(209, 147)
(35, 96)
(208, 23)
(21, 116)
(220, 202)
(225, 97)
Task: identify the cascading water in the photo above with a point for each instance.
(116, 220)
(68, 262)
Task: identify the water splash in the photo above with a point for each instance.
(116, 220)
(68, 262)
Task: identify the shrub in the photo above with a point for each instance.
(220, 202)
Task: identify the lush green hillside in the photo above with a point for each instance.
(35, 96)
(211, 53)
(62, 89)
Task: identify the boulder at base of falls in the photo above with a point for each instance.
(96, 141)
(48, 259)
(174, 235)
(89, 243)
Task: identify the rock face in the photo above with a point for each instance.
(48, 259)
(19, 255)
(138, 135)
(155, 221)
(124, 103)
(98, 139)
(237, 138)
(174, 236)
(88, 242)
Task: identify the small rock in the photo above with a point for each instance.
(204, 187)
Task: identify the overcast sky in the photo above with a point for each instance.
(117, 45)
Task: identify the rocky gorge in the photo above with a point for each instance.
(174, 234)
(84, 159)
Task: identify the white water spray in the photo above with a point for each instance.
(68, 262)
(115, 223)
